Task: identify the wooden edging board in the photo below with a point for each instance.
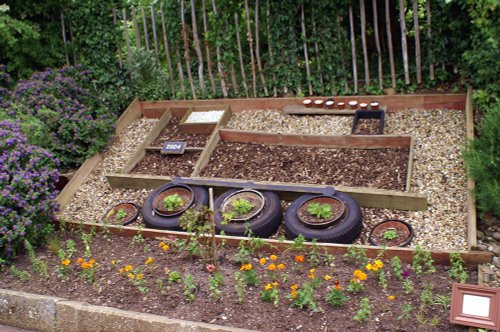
(393, 102)
(471, 204)
(367, 197)
(472, 258)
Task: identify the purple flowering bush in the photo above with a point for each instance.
(58, 112)
(27, 184)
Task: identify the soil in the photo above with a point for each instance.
(155, 163)
(377, 168)
(367, 127)
(171, 133)
(115, 289)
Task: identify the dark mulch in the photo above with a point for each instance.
(115, 290)
(378, 168)
(171, 133)
(155, 163)
(367, 127)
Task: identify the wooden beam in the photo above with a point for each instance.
(133, 112)
(393, 102)
(440, 257)
(204, 157)
(410, 164)
(297, 109)
(80, 176)
(159, 148)
(367, 197)
(153, 134)
(471, 204)
(340, 142)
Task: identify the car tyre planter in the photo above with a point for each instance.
(132, 212)
(152, 219)
(344, 230)
(403, 230)
(184, 192)
(264, 220)
(338, 210)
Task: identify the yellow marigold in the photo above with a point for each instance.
(65, 262)
(121, 270)
(275, 284)
(128, 268)
(268, 287)
(369, 267)
(113, 261)
(312, 273)
(92, 261)
(150, 260)
(162, 244)
(299, 259)
(378, 263)
(131, 275)
(375, 268)
(273, 257)
(140, 276)
(165, 247)
(360, 275)
(293, 294)
(271, 267)
(246, 267)
(281, 266)
(328, 277)
(262, 261)
(86, 265)
(294, 287)
(391, 297)
(79, 260)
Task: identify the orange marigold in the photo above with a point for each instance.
(299, 259)
(150, 260)
(281, 266)
(391, 297)
(360, 275)
(294, 287)
(79, 260)
(293, 294)
(271, 267)
(65, 262)
(262, 261)
(273, 257)
(128, 268)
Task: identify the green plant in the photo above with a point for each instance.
(336, 297)
(174, 276)
(422, 261)
(214, 285)
(160, 285)
(357, 254)
(239, 286)
(426, 296)
(408, 286)
(137, 278)
(173, 202)
(397, 268)
(87, 240)
(20, 274)
(120, 214)
(305, 297)
(457, 269)
(322, 211)
(54, 244)
(298, 243)
(198, 223)
(249, 275)
(37, 264)
(189, 287)
(270, 293)
(242, 206)
(390, 234)
(435, 321)
(364, 313)
(442, 300)
(406, 311)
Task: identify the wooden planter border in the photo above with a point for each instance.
(368, 197)
(441, 257)
(471, 204)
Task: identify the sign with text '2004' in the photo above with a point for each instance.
(173, 148)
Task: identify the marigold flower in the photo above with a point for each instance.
(327, 277)
(293, 294)
(275, 284)
(79, 260)
(164, 246)
(121, 270)
(299, 259)
(150, 260)
(338, 287)
(128, 268)
(271, 267)
(273, 257)
(268, 287)
(312, 273)
(262, 261)
(391, 297)
(113, 261)
(294, 287)
(65, 262)
(246, 267)
(369, 267)
(360, 275)
(86, 265)
(131, 275)
(378, 263)
(140, 276)
(92, 261)
(281, 266)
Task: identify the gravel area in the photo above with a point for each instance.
(438, 168)
(95, 196)
(208, 116)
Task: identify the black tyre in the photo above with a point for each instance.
(263, 225)
(346, 230)
(154, 220)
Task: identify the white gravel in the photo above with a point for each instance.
(205, 117)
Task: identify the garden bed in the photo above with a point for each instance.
(156, 163)
(107, 255)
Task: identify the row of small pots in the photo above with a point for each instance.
(330, 104)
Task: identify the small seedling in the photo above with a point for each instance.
(397, 268)
(174, 276)
(422, 261)
(20, 274)
(336, 297)
(305, 298)
(408, 286)
(173, 202)
(239, 286)
(365, 311)
(406, 311)
(215, 284)
(457, 270)
(242, 206)
(357, 254)
(37, 264)
(189, 288)
(390, 234)
(321, 211)
(120, 214)
(270, 293)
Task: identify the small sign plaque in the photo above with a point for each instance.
(173, 148)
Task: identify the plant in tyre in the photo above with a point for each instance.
(240, 207)
(390, 234)
(321, 211)
(27, 184)
(173, 202)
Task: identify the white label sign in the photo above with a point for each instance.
(476, 305)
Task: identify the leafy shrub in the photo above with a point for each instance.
(27, 185)
(58, 112)
(146, 76)
(482, 158)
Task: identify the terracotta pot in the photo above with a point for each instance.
(403, 230)
(252, 196)
(183, 191)
(330, 104)
(353, 104)
(307, 102)
(312, 221)
(130, 209)
(341, 105)
(374, 105)
(318, 103)
(363, 106)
